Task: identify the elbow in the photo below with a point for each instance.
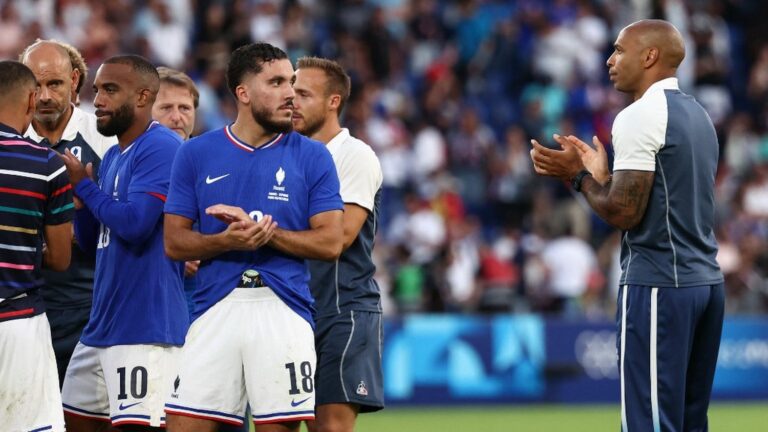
(332, 251)
(172, 251)
(625, 223)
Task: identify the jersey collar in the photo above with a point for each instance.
(243, 146)
(336, 141)
(8, 131)
(70, 130)
(665, 84)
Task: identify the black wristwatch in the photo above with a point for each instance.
(576, 181)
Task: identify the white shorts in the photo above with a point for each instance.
(250, 346)
(124, 384)
(29, 381)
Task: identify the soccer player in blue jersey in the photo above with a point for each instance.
(61, 125)
(176, 107)
(35, 227)
(661, 194)
(126, 360)
(348, 337)
(264, 198)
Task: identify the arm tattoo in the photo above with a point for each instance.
(623, 201)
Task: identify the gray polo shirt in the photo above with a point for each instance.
(668, 132)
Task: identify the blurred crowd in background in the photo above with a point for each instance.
(448, 94)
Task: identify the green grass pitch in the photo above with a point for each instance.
(726, 417)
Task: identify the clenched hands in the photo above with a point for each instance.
(243, 233)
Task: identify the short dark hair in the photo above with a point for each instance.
(338, 80)
(15, 76)
(142, 66)
(249, 59)
(179, 79)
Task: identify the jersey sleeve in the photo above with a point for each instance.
(152, 167)
(323, 182)
(638, 135)
(182, 199)
(59, 206)
(360, 177)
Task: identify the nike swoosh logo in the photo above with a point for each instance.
(125, 407)
(209, 180)
(295, 404)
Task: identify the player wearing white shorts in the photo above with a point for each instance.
(252, 333)
(37, 206)
(124, 365)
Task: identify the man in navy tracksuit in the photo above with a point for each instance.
(661, 194)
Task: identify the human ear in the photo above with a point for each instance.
(651, 57)
(334, 101)
(241, 92)
(75, 79)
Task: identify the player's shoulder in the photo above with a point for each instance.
(348, 150)
(295, 139)
(160, 132)
(306, 149)
(649, 109)
(358, 147)
(15, 142)
(158, 136)
(203, 142)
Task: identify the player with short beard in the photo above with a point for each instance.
(265, 199)
(127, 356)
(348, 337)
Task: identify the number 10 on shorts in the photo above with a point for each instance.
(306, 378)
(138, 383)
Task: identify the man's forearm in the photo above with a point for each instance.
(189, 245)
(319, 244)
(622, 202)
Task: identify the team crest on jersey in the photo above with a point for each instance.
(361, 389)
(278, 191)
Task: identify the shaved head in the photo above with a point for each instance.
(661, 35)
(57, 77)
(49, 50)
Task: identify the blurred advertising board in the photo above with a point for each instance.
(461, 359)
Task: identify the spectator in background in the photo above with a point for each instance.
(62, 126)
(177, 102)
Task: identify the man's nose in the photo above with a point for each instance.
(44, 94)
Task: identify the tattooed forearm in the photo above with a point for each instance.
(623, 201)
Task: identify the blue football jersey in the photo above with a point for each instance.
(291, 178)
(138, 291)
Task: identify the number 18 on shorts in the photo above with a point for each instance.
(248, 348)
